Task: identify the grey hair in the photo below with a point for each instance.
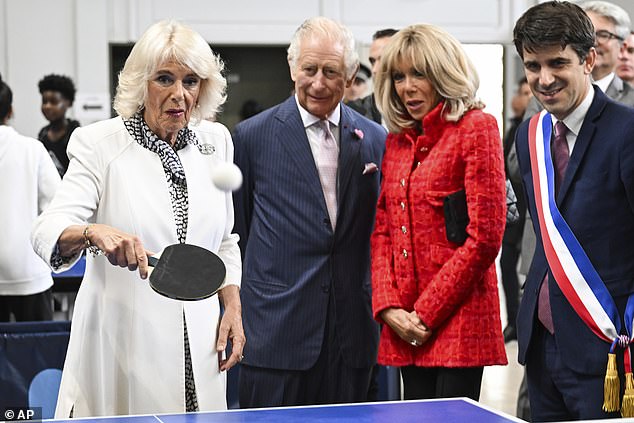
(332, 30)
(611, 11)
(163, 42)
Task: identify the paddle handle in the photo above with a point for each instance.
(152, 261)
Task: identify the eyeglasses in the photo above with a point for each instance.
(604, 36)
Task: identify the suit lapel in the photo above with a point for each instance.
(620, 91)
(292, 136)
(585, 137)
(350, 146)
(614, 89)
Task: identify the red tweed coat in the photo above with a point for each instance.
(452, 288)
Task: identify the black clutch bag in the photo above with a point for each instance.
(456, 217)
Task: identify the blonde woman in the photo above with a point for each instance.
(437, 295)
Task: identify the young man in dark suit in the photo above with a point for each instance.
(582, 206)
(304, 214)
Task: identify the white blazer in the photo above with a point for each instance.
(126, 353)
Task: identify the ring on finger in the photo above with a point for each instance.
(414, 342)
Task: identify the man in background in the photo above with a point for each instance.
(612, 26)
(367, 105)
(625, 69)
(359, 86)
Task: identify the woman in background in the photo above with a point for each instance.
(437, 298)
(58, 95)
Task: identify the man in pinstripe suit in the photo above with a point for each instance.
(305, 214)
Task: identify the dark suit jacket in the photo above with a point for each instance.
(367, 107)
(596, 199)
(620, 91)
(514, 230)
(293, 261)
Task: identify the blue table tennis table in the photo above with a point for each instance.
(455, 410)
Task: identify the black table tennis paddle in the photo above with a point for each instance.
(187, 272)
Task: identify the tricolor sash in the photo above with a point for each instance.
(573, 272)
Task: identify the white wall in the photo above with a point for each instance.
(72, 36)
(39, 38)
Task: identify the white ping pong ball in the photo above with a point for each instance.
(227, 177)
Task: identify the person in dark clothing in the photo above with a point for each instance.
(58, 94)
(367, 105)
(250, 108)
(513, 232)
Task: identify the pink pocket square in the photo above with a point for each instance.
(370, 168)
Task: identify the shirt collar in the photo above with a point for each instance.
(309, 119)
(605, 82)
(575, 119)
(143, 135)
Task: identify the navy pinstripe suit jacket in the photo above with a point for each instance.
(292, 259)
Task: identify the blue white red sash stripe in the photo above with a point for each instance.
(629, 322)
(568, 262)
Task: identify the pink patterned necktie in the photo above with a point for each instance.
(327, 161)
(561, 155)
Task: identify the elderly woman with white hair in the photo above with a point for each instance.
(136, 184)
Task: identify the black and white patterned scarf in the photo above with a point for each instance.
(174, 172)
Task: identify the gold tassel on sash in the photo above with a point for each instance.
(627, 408)
(611, 388)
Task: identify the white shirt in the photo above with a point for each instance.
(605, 82)
(575, 119)
(313, 132)
(28, 181)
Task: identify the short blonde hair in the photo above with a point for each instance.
(441, 59)
(327, 28)
(163, 42)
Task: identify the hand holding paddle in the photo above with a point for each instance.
(120, 248)
(184, 272)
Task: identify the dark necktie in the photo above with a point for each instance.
(560, 153)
